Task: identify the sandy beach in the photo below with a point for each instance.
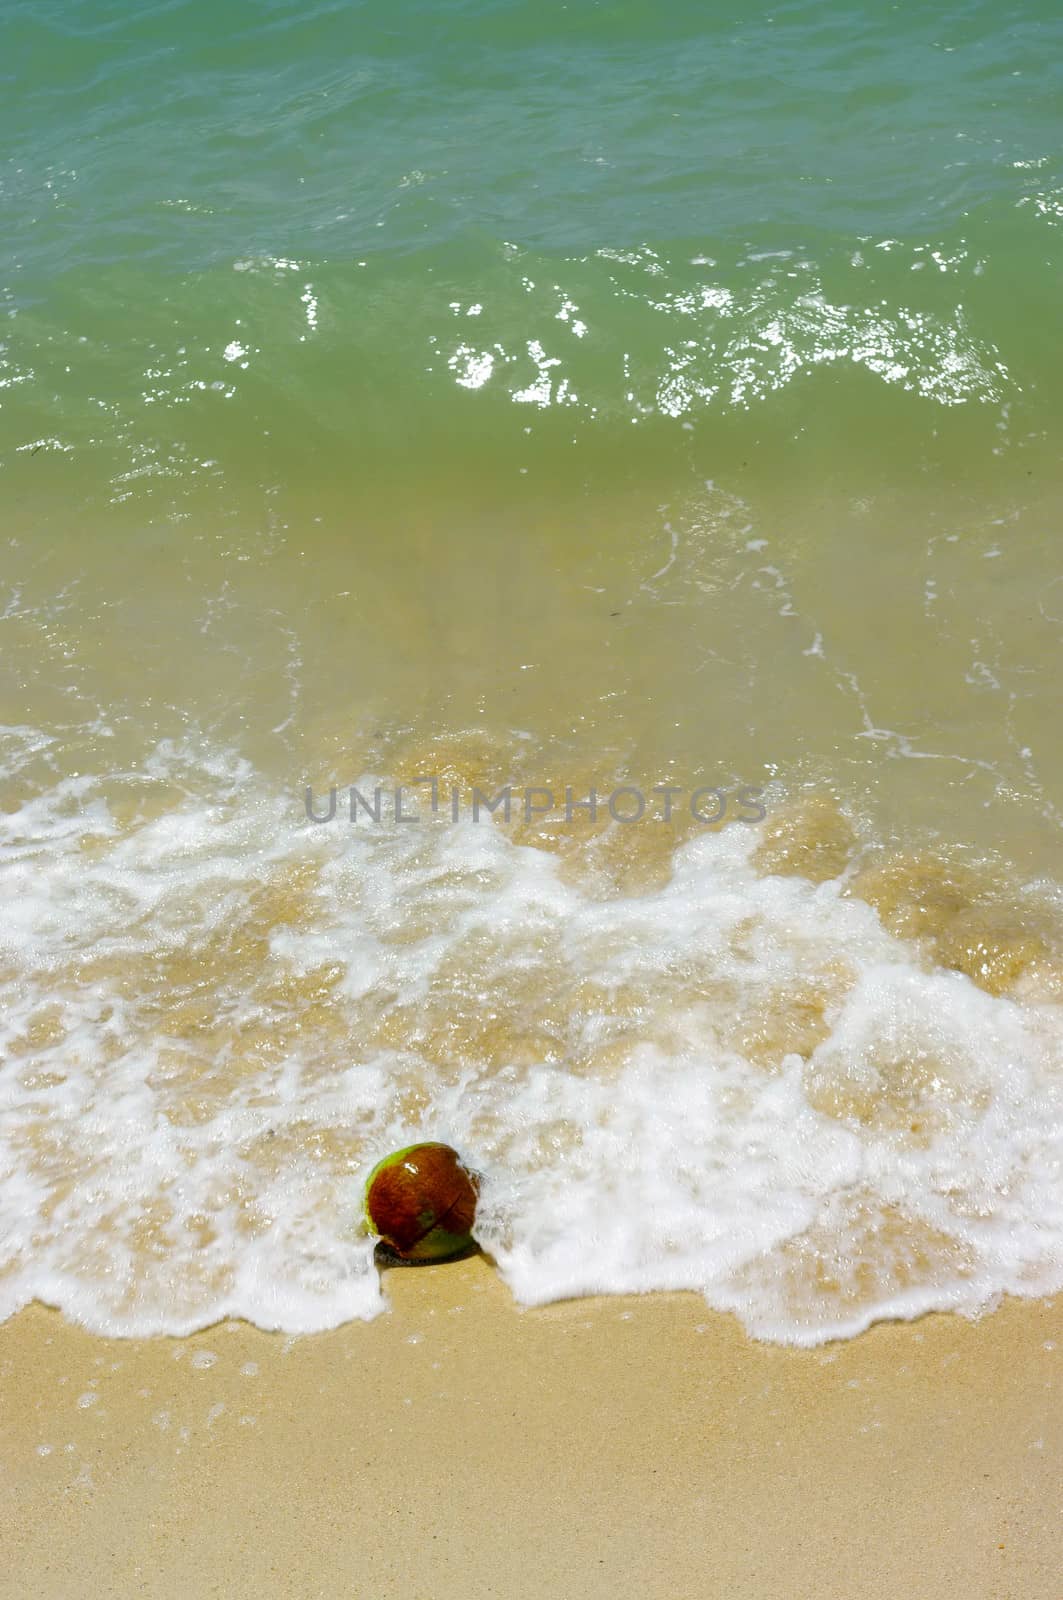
(460, 1447)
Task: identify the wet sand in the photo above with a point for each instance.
(460, 1447)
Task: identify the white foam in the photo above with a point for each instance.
(218, 1017)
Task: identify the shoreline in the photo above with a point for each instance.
(459, 1446)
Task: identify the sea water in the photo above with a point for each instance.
(552, 399)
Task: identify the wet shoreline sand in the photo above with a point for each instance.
(459, 1446)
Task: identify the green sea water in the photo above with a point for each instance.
(652, 378)
(466, 315)
(340, 239)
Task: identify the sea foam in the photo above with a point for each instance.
(732, 1080)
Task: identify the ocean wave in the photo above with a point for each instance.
(743, 1072)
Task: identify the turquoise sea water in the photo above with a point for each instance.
(817, 218)
(564, 394)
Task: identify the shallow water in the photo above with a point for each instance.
(565, 400)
